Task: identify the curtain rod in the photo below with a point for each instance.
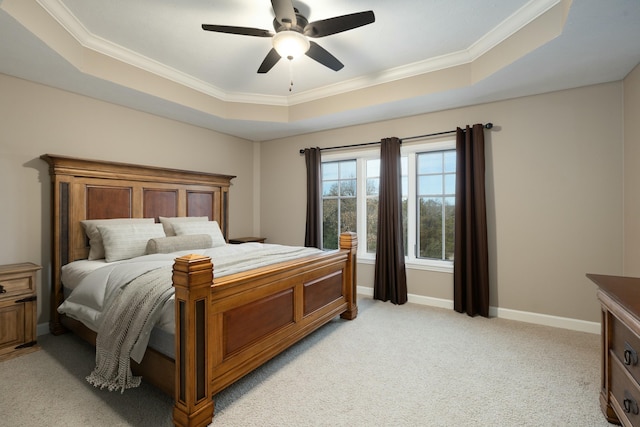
(486, 126)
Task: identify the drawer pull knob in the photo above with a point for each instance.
(629, 403)
(630, 355)
(2, 290)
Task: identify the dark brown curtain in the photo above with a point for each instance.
(313, 233)
(471, 257)
(390, 280)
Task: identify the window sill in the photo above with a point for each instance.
(424, 265)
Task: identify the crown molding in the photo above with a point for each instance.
(82, 35)
(507, 28)
(514, 23)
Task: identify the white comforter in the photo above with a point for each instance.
(105, 295)
(97, 282)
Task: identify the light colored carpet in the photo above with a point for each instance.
(404, 365)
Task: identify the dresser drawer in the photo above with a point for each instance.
(625, 346)
(625, 394)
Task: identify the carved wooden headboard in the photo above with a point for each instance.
(92, 189)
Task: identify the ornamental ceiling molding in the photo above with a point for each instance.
(533, 25)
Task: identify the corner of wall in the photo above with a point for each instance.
(631, 174)
(256, 189)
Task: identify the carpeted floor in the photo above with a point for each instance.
(404, 365)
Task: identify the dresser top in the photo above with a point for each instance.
(625, 290)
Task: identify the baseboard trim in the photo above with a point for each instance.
(505, 313)
(546, 320)
(42, 329)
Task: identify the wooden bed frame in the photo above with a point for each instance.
(225, 329)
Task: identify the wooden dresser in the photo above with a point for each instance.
(620, 386)
(18, 309)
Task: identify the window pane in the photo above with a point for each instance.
(348, 169)
(430, 163)
(430, 184)
(330, 224)
(449, 227)
(348, 188)
(405, 225)
(330, 170)
(430, 224)
(450, 161)
(373, 168)
(373, 186)
(372, 223)
(450, 184)
(329, 188)
(348, 215)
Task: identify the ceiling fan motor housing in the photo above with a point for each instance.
(301, 22)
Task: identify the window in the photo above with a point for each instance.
(339, 211)
(435, 198)
(350, 201)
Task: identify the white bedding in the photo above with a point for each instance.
(93, 283)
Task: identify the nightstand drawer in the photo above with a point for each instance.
(625, 394)
(625, 346)
(17, 279)
(16, 286)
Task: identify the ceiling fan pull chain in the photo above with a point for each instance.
(290, 74)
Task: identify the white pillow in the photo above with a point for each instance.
(96, 250)
(165, 245)
(124, 241)
(210, 227)
(167, 222)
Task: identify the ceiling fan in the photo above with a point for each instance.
(292, 32)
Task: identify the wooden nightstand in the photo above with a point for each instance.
(18, 309)
(247, 240)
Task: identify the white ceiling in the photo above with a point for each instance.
(498, 49)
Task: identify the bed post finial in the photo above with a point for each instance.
(349, 241)
(192, 279)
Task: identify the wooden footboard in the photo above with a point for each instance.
(227, 329)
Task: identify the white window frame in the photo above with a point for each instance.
(409, 150)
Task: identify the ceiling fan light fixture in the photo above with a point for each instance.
(290, 44)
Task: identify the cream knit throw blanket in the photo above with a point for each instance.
(132, 314)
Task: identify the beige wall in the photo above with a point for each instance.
(36, 119)
(632, 173)
(554, 182)
(554, 190)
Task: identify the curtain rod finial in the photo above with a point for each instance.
(488, 125)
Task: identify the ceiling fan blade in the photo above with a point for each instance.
(338, 24)
(321, 55)
(243, 31)
(285, 13)
(269, 61)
